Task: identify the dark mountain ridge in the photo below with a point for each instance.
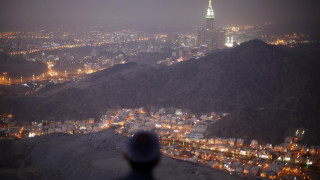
(17, 67)
(267, 90)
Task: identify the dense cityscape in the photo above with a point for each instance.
(74, 52)
(71, 55)
(96, 50)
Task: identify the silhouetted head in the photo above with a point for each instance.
(143, 151)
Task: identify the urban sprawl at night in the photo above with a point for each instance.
(212, 94)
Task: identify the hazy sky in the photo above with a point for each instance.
(152, 13)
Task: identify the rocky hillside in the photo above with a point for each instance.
(91, 156)
(290, 81)
(268, 90)
(17, 67)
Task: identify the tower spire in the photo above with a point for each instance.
(210, 13)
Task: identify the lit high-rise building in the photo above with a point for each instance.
(209, 17)
(209, 36)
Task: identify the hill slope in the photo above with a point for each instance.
(90, 156)
(17, 67)
(265, 88)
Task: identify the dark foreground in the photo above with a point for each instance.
(90, 156)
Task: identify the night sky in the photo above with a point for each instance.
(152, 13)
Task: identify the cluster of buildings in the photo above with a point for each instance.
(10, 129)
(62, 50)
(54, 48)
(290, 40)
(70, 127)
(183, 54)
(127, 41)
(132, 42)
(253, 160)
(183, 136)
(238, 34)
(89, 50)
(172, 123)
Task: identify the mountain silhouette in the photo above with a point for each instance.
(269, 91)
(16, 67)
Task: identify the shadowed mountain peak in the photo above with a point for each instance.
(241, 81)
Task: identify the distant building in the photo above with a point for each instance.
(231, 141)
(287, 156)
(254, 143)
(190, 42)
(269, 146)
(229, 42)
(240, 142)
(173, 37)
(178, 112)
(299, 133)
(209, 36)
(314, 150)
(88, 68)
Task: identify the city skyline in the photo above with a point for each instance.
(152, 14)
(229, 87)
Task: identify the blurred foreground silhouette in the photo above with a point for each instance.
(143, 154)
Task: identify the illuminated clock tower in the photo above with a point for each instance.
(209, 17)
(209, 36)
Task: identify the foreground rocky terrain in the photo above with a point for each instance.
(91, 156)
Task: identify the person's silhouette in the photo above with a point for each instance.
(143, 154)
